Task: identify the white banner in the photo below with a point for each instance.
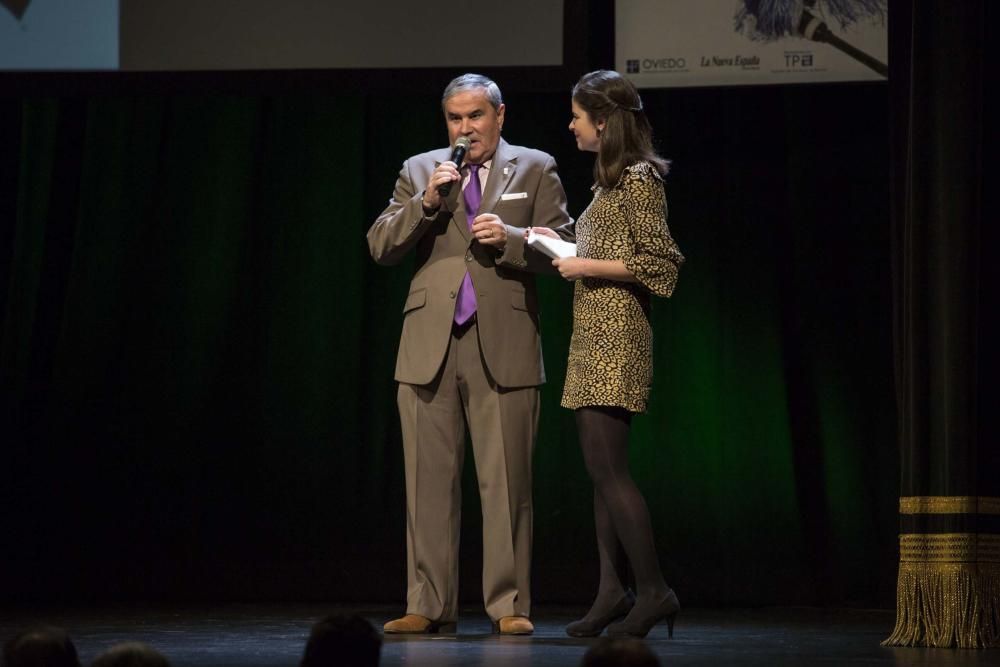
(667, 43)
(153, 35)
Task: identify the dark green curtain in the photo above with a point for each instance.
(944, 296)
(197, 351)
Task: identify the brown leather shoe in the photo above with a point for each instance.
(415, 624)
(513, 625)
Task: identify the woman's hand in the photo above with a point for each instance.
(543, 231)
(573, 268)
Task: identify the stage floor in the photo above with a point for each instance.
(274, 635)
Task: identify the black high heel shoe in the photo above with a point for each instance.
(585, 628)
(644, 621)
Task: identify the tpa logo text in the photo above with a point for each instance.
(795, 59)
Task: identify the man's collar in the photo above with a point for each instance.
(500, 154)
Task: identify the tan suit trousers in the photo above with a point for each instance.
(502, 424)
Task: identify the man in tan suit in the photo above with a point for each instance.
(470, 353)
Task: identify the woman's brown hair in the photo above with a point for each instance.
(627, 136)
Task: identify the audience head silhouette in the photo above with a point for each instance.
(620, 653)
(131, 654)
(40, 647)
(342, 641)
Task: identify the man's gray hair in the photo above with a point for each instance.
(474, 82)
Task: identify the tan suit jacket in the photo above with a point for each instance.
(505, 290)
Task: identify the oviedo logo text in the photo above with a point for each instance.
(634, 66)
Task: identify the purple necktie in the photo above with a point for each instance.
(473, 195)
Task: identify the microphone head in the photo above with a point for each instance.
(463, 143)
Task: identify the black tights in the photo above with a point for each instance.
(620, 513)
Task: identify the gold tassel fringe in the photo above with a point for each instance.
(947, 605)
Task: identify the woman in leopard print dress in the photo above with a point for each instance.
(624, 254)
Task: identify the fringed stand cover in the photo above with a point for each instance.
(948, 591)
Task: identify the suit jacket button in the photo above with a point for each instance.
(451, 294)
(468, 258)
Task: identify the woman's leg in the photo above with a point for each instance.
(612, 601)
(611, 586)
(619, 508)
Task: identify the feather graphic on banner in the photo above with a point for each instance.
(16, 7)
(769, 20)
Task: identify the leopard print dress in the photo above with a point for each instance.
(611, 350)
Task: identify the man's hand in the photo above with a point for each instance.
(446, 172)
(490, 230)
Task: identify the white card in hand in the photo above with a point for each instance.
(554, 248)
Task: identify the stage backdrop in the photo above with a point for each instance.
(197, 351)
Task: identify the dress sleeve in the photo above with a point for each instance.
(655, 259)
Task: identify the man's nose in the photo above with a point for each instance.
(466, 126)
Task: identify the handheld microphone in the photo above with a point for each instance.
(457, 155)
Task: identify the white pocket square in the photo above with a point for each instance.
(514, 195)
